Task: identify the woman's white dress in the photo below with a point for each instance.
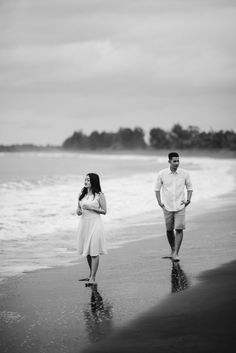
(91, 240)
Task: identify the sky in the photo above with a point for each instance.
(70, 65)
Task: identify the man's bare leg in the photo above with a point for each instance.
(171, 239)
(178, 242)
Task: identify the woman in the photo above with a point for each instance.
(91, 241)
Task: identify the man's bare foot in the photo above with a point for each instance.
(91, 283)
(175, 258)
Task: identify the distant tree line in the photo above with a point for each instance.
(27, 147)
(192, 138)
(124, 138)
(127, 138)
(177, 137)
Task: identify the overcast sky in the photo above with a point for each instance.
(69, 65)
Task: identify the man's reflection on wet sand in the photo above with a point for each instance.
(98, 316)
(179, 280)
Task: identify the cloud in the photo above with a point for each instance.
(90, 61)
(189, 48)
(67, 62)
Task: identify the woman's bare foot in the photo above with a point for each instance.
(86, 279)
(91, 281)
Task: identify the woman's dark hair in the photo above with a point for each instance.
(95, 185)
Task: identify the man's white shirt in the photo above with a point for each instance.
(173, 186)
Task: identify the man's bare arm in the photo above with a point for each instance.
(158, 197)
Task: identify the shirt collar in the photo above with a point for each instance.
(170, 172)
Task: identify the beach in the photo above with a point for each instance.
(116, 118)
(142, 299)
(143, 302)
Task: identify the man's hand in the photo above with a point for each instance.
(161, 204)
(185, 203)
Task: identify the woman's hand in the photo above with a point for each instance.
(87, 207)
(79, 211)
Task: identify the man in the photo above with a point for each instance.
(170, 189)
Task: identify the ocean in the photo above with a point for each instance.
(39, 195)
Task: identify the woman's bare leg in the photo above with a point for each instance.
(94, 268)
(89, 260)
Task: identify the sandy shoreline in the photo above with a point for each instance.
(200, 319)
(50, 311)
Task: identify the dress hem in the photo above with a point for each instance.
(101, 253)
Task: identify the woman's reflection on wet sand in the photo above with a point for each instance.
(179, 280)
(98, 316)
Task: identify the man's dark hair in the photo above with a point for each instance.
(172, 154)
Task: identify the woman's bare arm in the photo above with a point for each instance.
(102, 204)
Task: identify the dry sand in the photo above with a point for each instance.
(143, 303)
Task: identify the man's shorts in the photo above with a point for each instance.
(174, 219)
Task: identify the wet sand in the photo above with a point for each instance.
(143, 302)
(200, 319)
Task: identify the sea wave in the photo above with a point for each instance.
(47, 205)
(38, 221)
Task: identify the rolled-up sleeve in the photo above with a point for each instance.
(158, 183)
(188, 182)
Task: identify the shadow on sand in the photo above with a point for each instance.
(98, 316)
(179, 280)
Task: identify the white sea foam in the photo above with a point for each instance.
(38, 221)
(79, 155)
(48, 206)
